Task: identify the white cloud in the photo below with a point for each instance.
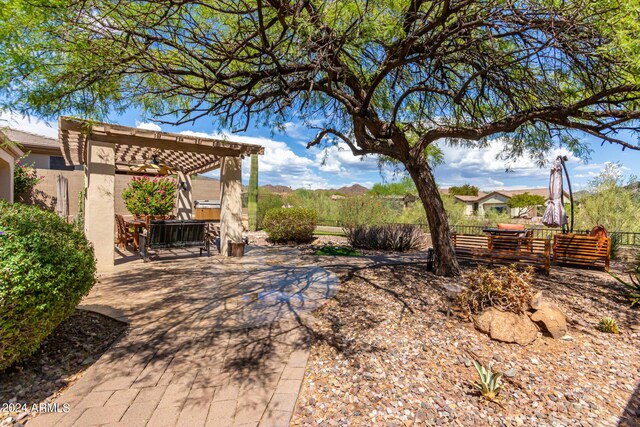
(29, 124)
(279, 165)
(484, 167)
(148, 126)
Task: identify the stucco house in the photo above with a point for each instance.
(497, 200)
(9, 152)
(46, 156)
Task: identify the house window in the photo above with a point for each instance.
(57, 163)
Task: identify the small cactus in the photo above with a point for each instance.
(253, 194)
(608, 325)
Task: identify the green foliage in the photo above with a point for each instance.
(525, 200)
(505, 288)
(464, 190)
(46, 267)
(608, 202)
(489, 385)
(150, 196)
(317, 200)
(290, 224)
(25, 177)
(330, 250)
(253, 194)
(364, 210)
(633, 284)
(388, 237)
(399, 188)
(266, 202)
(608, 325)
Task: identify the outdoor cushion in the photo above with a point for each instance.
(510, 226)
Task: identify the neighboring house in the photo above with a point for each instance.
(497, 201)
(41, 151)
(45, 154)
(9, 152)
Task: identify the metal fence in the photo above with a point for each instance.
(624, 238)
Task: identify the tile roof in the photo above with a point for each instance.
(30, 140)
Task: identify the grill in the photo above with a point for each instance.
(207, 210)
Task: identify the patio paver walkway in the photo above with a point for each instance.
(212, 342)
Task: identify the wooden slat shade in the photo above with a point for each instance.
(185, 153)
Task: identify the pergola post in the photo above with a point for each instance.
(185, 198)
(231, 202)
(99, 222)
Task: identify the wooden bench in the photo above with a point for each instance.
(582, 249)
(174, 234)
(504, 250)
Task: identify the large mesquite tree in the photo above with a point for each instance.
(383, 77)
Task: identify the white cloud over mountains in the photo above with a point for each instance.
(484, 168)
(334, 166)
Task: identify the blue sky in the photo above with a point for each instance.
(288, 162)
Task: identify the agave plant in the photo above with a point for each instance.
(609, 325)
(489, 385)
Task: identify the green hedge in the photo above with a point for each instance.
(46, 267)
(290, 224)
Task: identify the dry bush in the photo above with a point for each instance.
(388, 237)
(505, 288)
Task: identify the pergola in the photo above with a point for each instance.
(105, 149)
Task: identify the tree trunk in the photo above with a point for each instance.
(445, 262)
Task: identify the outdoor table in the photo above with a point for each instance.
(137, 225)
(511, 244)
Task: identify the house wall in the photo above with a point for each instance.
(495, 201)
(6, 175)
(44, 193)
(39, 161)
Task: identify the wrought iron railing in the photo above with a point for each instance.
(625, 238)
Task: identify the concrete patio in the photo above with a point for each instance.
(213, 341)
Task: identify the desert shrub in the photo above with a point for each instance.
(364, 210)
(290, 224)
(633, 282)
(266, 202)
(389, 237)
(25, 177)
(316, 200)
(505, 288)
(46, 267)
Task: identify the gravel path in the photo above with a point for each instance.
(385, 354)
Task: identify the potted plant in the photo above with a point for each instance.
(150, 196)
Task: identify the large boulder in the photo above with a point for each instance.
(506, 326)
(552, 319)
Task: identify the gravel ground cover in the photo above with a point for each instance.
(385, 354)
(63, 357)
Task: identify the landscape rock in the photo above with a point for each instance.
(553, 320)
(506, 326)
(536, 301)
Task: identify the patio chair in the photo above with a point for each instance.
(124, 236)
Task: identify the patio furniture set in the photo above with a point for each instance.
(513, 245)
(148, 233)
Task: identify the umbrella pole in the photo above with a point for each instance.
(562, 160)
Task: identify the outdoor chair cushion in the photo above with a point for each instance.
(510, 226)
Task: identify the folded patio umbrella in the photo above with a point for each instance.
(554, 215)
